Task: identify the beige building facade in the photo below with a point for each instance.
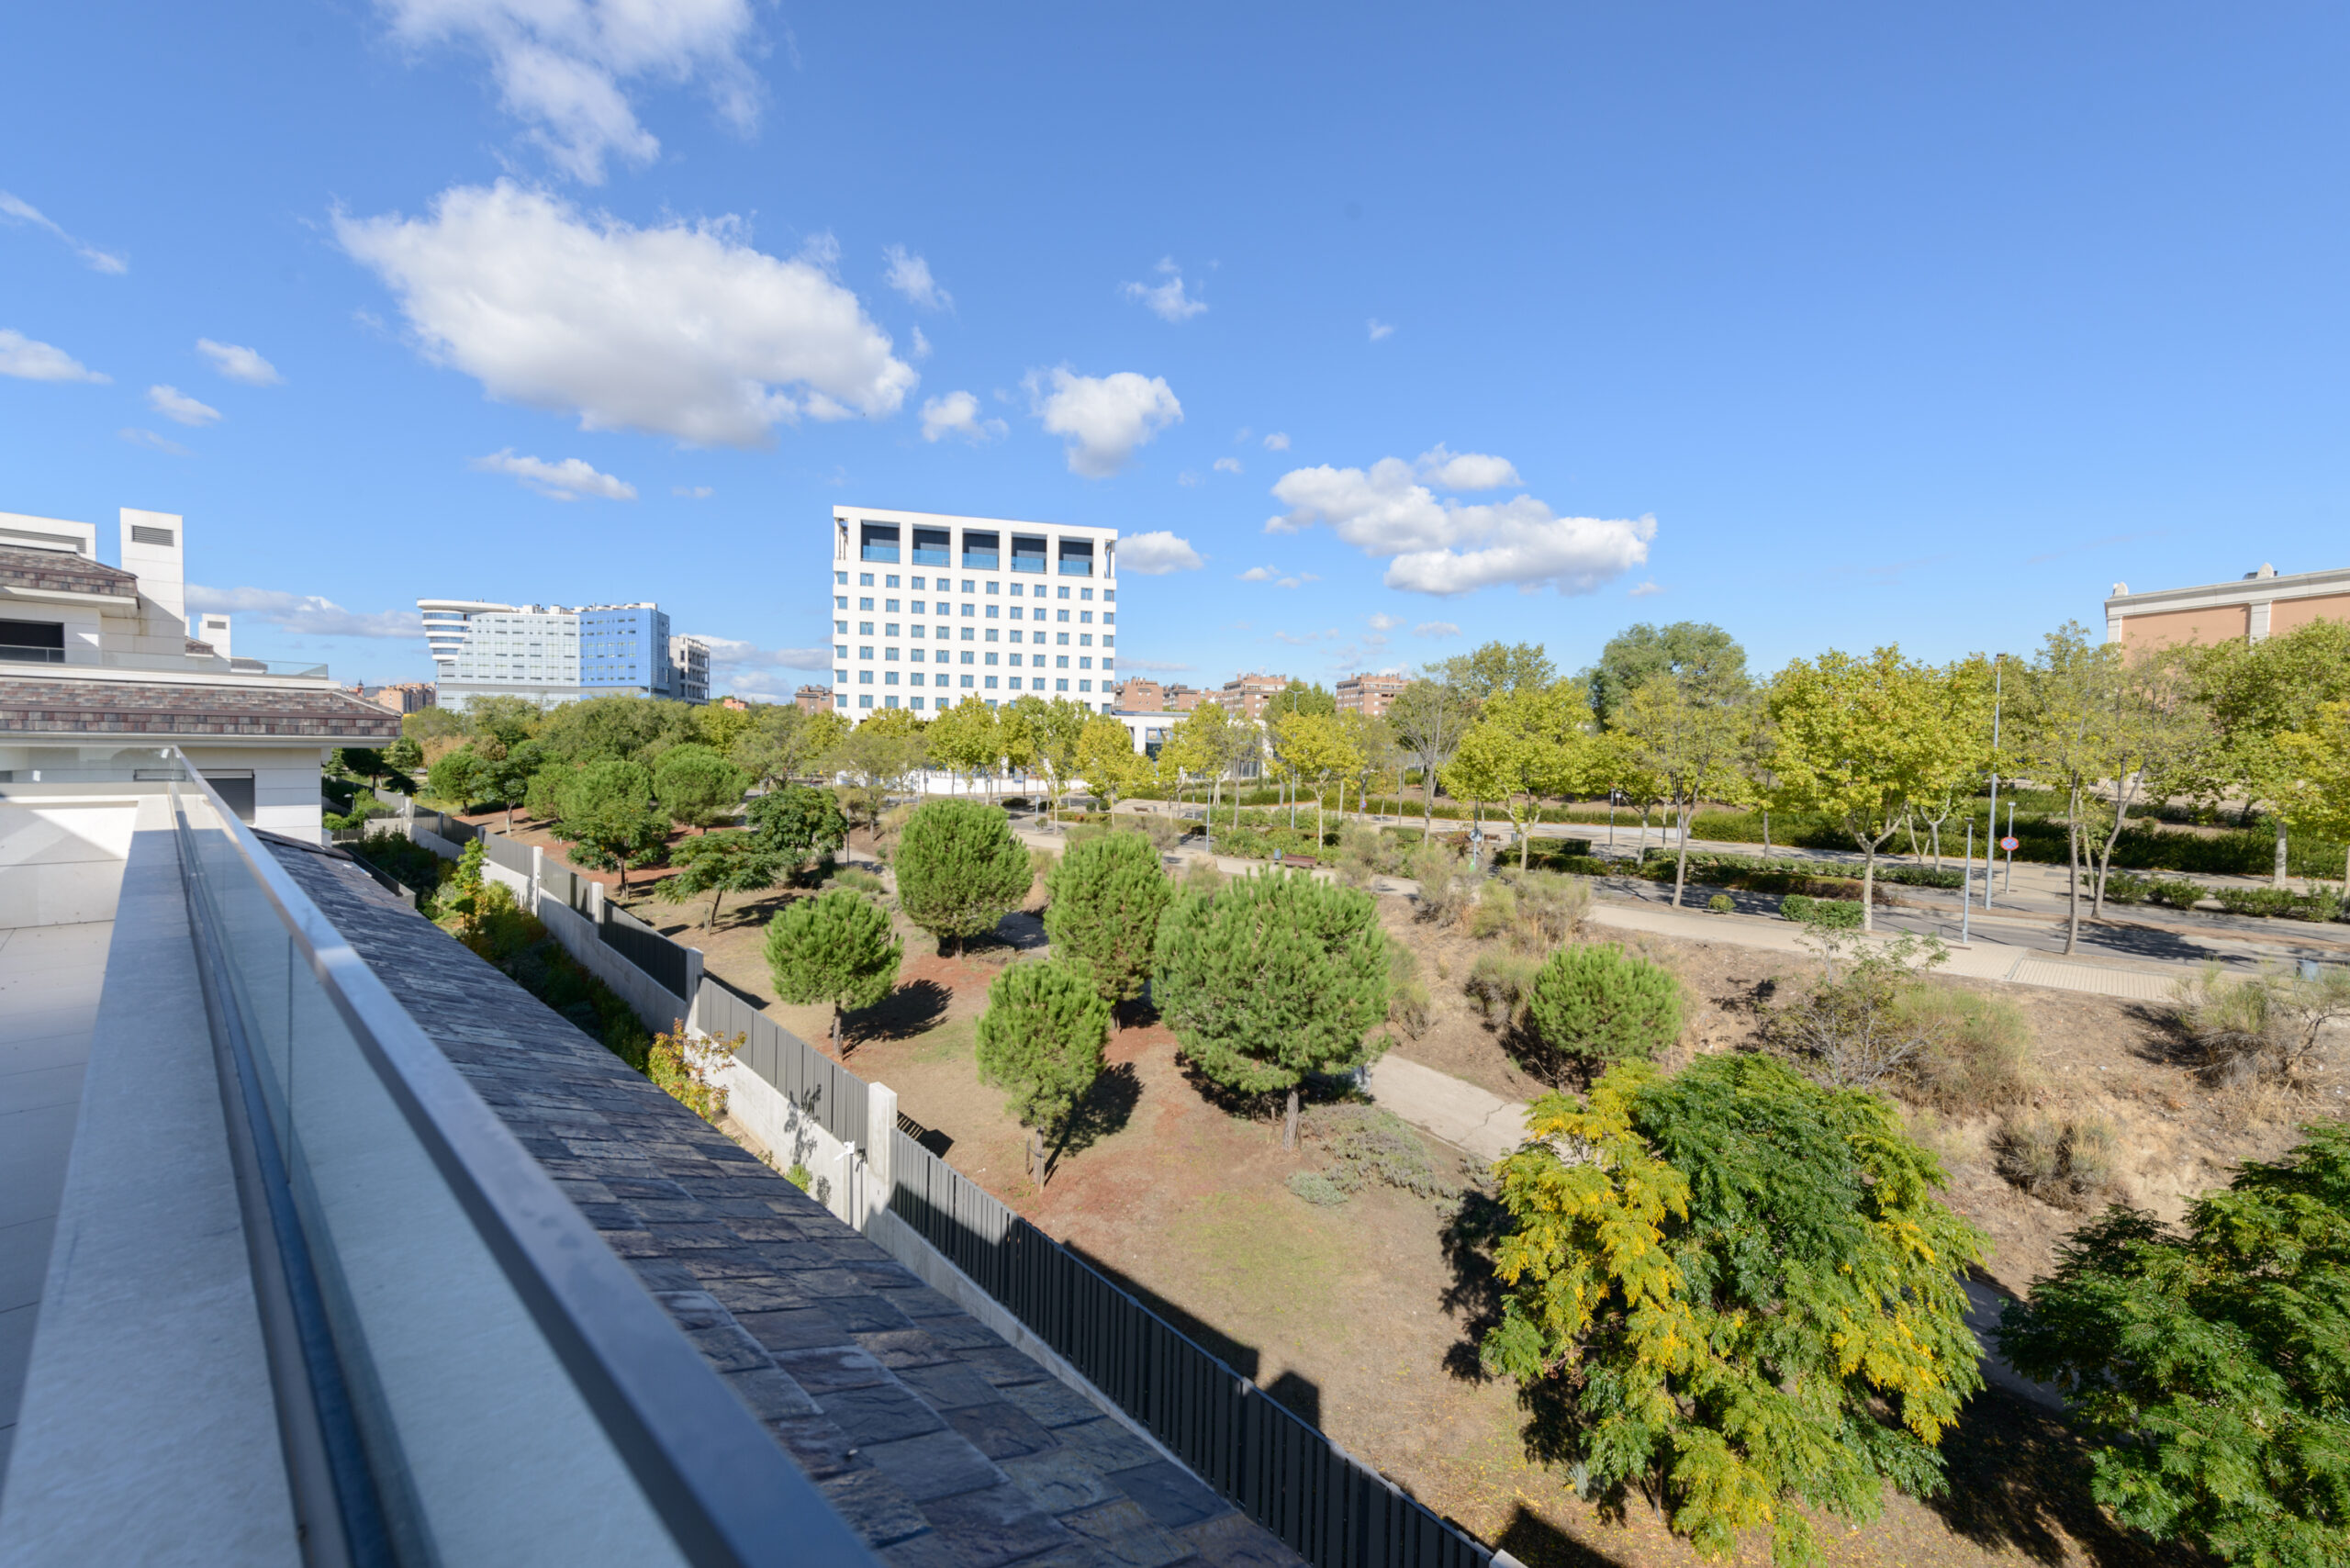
(2259, 605)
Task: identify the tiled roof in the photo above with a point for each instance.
(56, 571)
(156, 708)
(940, 1443)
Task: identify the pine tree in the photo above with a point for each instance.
(1600, 1005)
(1107, 895)
(1271, 977)
(836, 948)
(697, 786)
(1042, 1038)
(722, 863)
(608, 807)
(959, 869)
(798, 822)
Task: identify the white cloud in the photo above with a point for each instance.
(566, 481)
(921, 345)
(16, 209)
(1466, 470)
(239, 364)
(1188, 478)
(1276, 577)
(749, 669)
(691, 492)
(562, 66)
(1444, 547)
(181, 409)
(1385, 622)
(1436, 629)
(1166, 298)
(682, 330)
(1156, 554)
(305, 613)
(910, 275)
(957, 413)
(148, 439)
(1277, 441)
(1380, 329)
(1642, 590)
(27, 359)
(1104, 417)
(1227, 465)
(1300, 639)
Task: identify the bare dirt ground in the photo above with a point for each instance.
(1363, 1319)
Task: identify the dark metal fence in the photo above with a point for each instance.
(647, 949)
(503, 851)
(821, 1087)
(1326, 1505)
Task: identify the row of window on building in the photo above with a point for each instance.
(988, 683)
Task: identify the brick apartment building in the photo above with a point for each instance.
(1244, 697)
(1369, 695)
(400, 696)
(812, 698)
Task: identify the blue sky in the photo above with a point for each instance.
(1835, 325)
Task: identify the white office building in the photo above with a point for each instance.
(928, 609)
(553, 652)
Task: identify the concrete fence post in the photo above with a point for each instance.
(596, 906)
(880, 1141)
(693, 989)
(538, 875)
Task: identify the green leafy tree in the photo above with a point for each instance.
(722, 863)
(1430, 715)
(717, 726)
(2211, 1365)
(543, 797)
(1317, 746)
(1106, 896)
(433, 723)
(612, 729)
(969, 741)
(1271, 977)
(837, 948)
(1857, 740)
(507, 779)
(457, 777)
(879, 756)
(798, 822)
(404, 755)
(1041, 1038)
(1107, 759)
(1692, 739)
(2260, 692)
(959, 869)
(607, 807)
(2315, 790)
(1497, 667)
(1040, 737)
(1737, 1286)
(697, 786)
(1525, 743)
(358, 762)
(1203, 745)
(1597, 1006)
(1705, 659)
(508, 720)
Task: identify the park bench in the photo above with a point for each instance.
(1298, 862)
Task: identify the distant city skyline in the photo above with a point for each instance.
(1838, 328)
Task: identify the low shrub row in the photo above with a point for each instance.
(1715, 867)
(1838, 913)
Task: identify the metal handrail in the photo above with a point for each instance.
(727, 1493)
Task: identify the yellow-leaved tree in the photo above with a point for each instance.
(1656, 1339)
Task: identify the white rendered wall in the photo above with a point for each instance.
(285, 783)
(60, 859)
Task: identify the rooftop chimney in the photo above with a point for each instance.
(151, 549)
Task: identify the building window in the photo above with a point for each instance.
(914, 678)
(865, 677)
(968, 587)
(1085, 639)
(1016, 661)
(889, 701)
(992, 587)
(1061, 638)
(967, 681)
(991, 683)
(1060, 661)
(915, 583)
(1060, 686)
(971, 609)
(864, 653)
(967, 659)
(840, 699)
(989, 659)
(1086, 616)
(1083, 663)
(890, 581)
(864, 580)
(1085, 686)
(890, 630)
(990, 633)
(915, 654)
(842, 578)
(840, 601)
(917, 604)
(891, 607)
(990, 702)
(865, 700)
(915, 703)
(865, 605)
(1015, 683)
(1110, 594)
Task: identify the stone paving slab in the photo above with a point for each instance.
(941, 1444)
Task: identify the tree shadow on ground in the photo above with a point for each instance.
(2019, 1482)
(914, 1008)
(1536, 1542)
(1106, 1109)
(1474, 1297)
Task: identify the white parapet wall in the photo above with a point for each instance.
(62, 855)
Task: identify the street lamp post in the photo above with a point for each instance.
(1998, 668)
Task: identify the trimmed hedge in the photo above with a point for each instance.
(1839, 914)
